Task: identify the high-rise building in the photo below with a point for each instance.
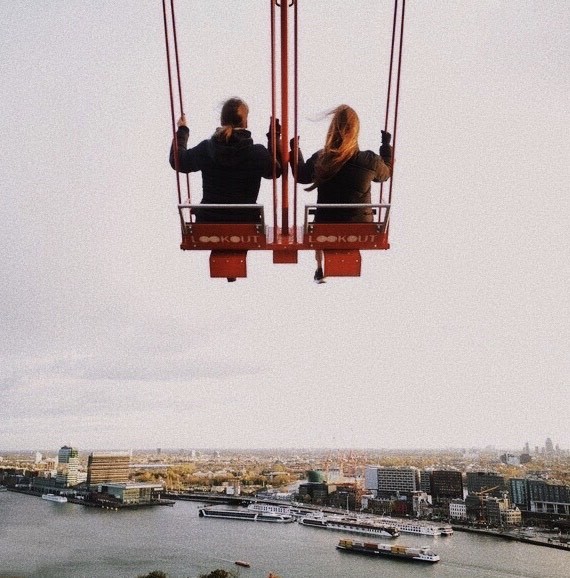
(108, 467)
(488, 482)
(518, 490)
(446, 485)
(425, 481)
(548, 446)
(548, 498)
(388, 480)
(527, 448)
(67, 467)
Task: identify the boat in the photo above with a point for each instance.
(422, 554)
(242, 563)
(351, 524)
(269, 508)
(54, 498)
(251, 515)
(446, 530)
(417, 527)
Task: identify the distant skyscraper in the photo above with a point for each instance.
(548, 446)
(527, 448)
(67, 466)
(108, 467)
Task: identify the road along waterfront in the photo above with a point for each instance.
(42, 539)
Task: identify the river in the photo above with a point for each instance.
(41, 539)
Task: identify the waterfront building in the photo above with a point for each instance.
(446, 485)
(384, 481)
(425, 481)
(421, 506)
(132, 493)
(548, 498)
(457, 510)
(67, 467)
(518, 490)
(314, 493)
(371, 480)
(491, 483)
(512, 517)
(493, 511)
(345, 496)
(108, 467)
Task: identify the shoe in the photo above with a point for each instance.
(319, 276)
(231, 279)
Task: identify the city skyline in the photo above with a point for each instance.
(113, 337)
(535, 450)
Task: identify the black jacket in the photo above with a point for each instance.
(231, 173)
(351, 184)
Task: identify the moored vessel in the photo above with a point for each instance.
(54, 498)
(421, 554)
(419, 527)
(351, 524)
(240, 514)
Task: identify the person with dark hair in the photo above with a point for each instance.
(342, 173)
(232, 165)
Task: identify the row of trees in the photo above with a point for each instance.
(214, 574)
(183, 477)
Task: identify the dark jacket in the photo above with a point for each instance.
(231, 173)
(351, 184)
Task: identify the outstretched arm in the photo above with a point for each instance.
(304, 171)
(186, 160)
(385, 162)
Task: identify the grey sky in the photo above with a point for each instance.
(113, 338)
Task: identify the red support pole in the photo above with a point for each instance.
(284, 118)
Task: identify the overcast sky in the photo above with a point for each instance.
(111, 337)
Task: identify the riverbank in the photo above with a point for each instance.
(103, 504)
(514, 536)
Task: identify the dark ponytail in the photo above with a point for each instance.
(234, 115)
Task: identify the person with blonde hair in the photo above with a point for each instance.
(342, 173)
(232, 165)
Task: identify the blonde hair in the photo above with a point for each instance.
(340, 145)
(234, 115)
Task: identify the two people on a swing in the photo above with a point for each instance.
(232, 168)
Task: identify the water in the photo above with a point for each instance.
(40, 539)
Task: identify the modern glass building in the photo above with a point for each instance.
(67, 467)
(108, 467)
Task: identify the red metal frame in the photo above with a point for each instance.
(229, 242)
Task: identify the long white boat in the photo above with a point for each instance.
(351, 524)
(242, 514)
(422, 554)
(418, 527)
(54, 498)
(269, 508)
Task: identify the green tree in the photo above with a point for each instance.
(219, 574)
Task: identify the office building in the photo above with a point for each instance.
(518, 490)
(548, 498)
(446, 485)
(108, 467)
(67, 467)
(490, 483)
(391, 481)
